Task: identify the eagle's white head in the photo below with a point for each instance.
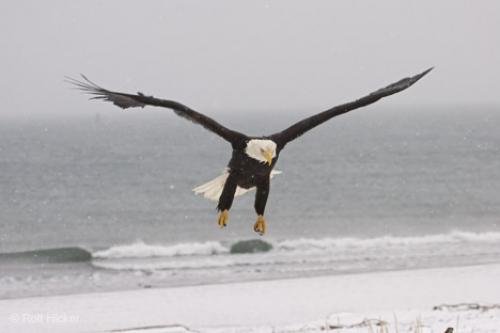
(261, 150)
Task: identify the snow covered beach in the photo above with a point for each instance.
(343, 303)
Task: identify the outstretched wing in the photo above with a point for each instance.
(140, 100)
(297, 129)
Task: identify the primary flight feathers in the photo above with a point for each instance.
(140, 100)
(125, 101)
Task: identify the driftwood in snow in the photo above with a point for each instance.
(465, 307)
(363, 323)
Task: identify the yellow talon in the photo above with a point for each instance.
(223, 218)
(260, 226)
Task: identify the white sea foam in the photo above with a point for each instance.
(140, 249)
(342, 245)
(324, 244)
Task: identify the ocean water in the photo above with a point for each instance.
(104, 201)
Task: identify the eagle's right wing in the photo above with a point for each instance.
(299, 128)
(140, 100)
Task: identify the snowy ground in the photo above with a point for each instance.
(396, 301)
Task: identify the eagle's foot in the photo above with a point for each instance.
(223, 218)
(260, 226)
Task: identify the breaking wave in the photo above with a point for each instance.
(290, 256)
(308, 244)
(140, 249)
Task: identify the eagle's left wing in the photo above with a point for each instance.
(299, 128)
(140, 100)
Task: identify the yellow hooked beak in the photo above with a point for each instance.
(268, 155)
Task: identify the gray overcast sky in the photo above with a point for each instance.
(238, 56)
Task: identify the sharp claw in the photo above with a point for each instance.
(260, 226)
(223, 218)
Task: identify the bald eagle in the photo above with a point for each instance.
(253, 158)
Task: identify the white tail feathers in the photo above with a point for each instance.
(213, 189)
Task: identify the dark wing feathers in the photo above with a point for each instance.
(122, 100)
(140, 100)
(299, 128)
(282, 138)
